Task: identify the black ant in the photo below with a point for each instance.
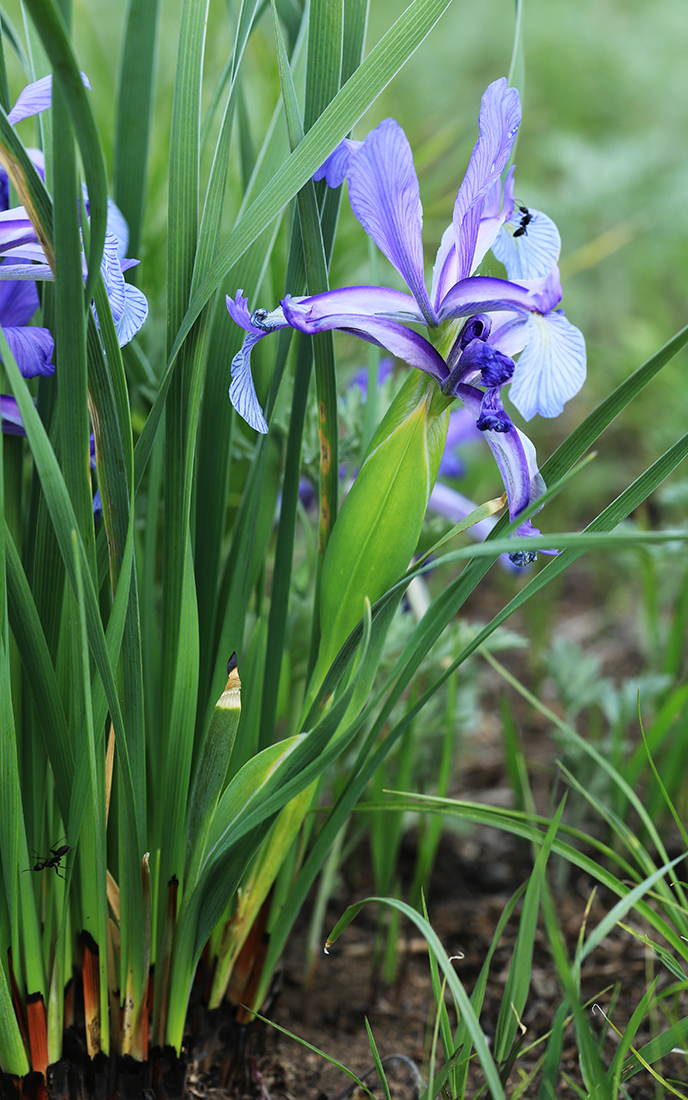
(526, 219)
(53, 860)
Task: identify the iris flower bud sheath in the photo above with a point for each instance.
(379, 524)
(212, 768)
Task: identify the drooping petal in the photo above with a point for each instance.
(530, 251)
(133, 315)
(12, 423)
(517, 461)
(500, 116)
(385, 197)
(33, 350)
(36, 97)
(336, 166)
(242, 392)
(111, 270)
(402, 342)
(551, 368)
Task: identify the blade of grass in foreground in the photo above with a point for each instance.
(379, 67)
(458, 992)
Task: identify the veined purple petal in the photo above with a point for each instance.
(533, 252)
(12, 423)
(33, 350)
(18, 300)
(36, 97)
(385, 197)
(242, 392)
(402, 342)
(551, 368)
(500, 116)
(484, 294)
(336, 166)
(365, 301)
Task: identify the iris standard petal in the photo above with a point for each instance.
(532, 253)
(242, 392)
(500, 116)
(385, 197)
(36, 97)
(336, 166)
(444, 272)
(32, 349)
(551, 368)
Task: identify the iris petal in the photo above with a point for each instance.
(32, 349)
(336, 166)
(36, 97)
(133, 315)
(385, 197)
(534, 252)
(242, 392)
(551, 367)
(500, 116)
(402, 342)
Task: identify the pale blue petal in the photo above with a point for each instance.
(133, 315)
(551, 367)
(242, 392)
(385, 197)
(533, 253)
(111, 270)
(36, 97)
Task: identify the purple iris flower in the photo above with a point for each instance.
(32, 347)
(475, 324)
(19, 242)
